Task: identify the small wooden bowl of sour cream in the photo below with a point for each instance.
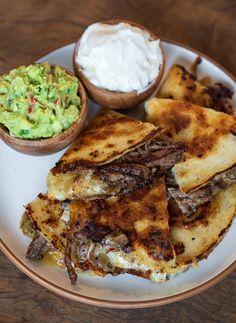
(53, 144)
(111, 78)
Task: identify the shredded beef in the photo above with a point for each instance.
(152, 151)
(188, 202)
(37, 248)
(142, 166)
(135, 169)
(159, 155)
(165, 159)
(223, 180)
(123, 178)
(88, 254)
(68, 262)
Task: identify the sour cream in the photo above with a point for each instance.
(119, 57)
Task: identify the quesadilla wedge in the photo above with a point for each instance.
(182, 85)
(46, 222)
(115, 155)
(124, 234)
(195, 240)
(210, 159)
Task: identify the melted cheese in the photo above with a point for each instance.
(121, 260)
(69, 185)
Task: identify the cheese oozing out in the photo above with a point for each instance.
(67, 185)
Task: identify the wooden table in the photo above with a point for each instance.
(28, 30)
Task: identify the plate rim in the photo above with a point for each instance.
(107, 303)
(129, 304)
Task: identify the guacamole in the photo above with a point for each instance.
(38, 101)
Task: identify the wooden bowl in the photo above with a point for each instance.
(118, 100)
(53, 144)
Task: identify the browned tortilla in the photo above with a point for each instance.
(99, 163)
(194, 241)
(47, 218)
(210, 136)
(141, 217)
(109, 136)
(182, 85)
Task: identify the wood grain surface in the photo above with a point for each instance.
(30, 29)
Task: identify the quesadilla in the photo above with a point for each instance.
(182, 85)
(210, 160)
(126, 234)
(115, 155)
(194, 240)
(46, 222)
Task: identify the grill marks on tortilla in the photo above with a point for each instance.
(137, 167)
(47, 218)
(208, 134)
(209, 205)
(146, 209)
(108, 136)
(175, 122)
(134, 224)
(184, 86)
(200, 235)
(205, 127)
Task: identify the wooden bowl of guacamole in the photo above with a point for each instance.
(43, 108)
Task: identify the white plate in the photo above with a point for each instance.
(22, 177)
